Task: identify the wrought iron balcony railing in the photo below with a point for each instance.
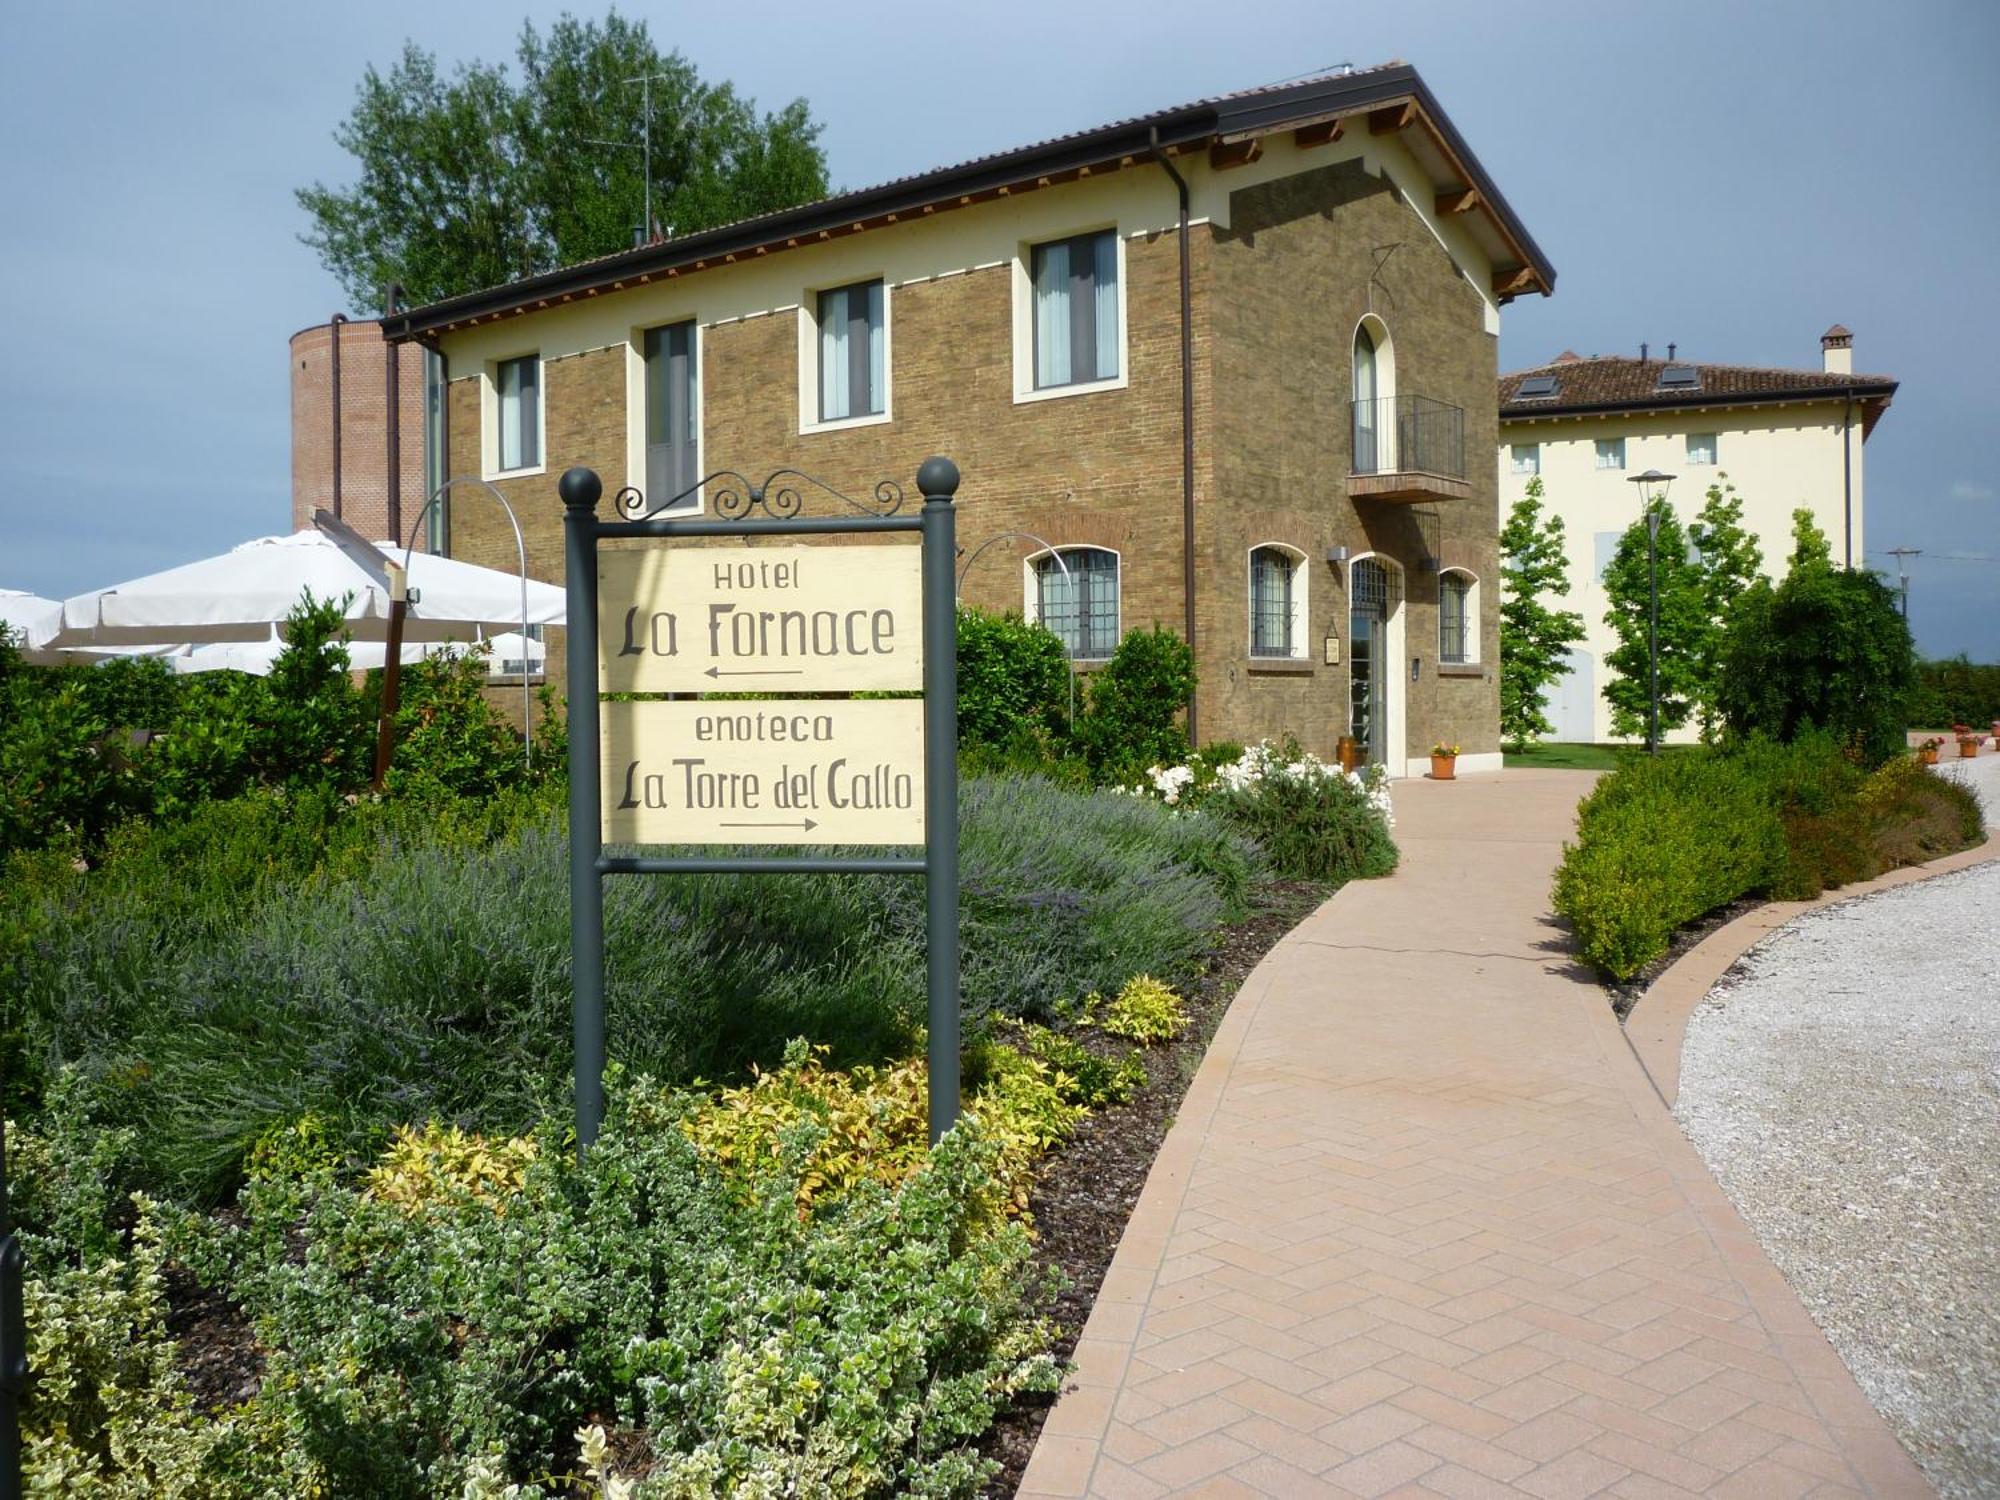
(1409, 435)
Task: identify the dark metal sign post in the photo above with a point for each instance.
(779, 498)
(13, 1342)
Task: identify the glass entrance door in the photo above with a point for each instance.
(1369, 668)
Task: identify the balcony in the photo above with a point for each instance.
(1408, 449)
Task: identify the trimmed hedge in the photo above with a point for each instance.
(1663, 841)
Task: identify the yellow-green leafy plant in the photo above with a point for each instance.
(866, 1124)
(442, 1162)
(1145, 1010)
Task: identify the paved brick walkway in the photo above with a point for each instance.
(1423, 1228)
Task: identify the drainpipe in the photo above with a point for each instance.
(1187, 420)
(1847, 477)
(333, 328)
(392, 380)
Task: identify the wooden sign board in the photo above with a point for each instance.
(771, 771)
(761, 619)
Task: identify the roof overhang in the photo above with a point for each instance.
(1873, 396)
(1394, 100)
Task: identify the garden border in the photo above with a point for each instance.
(1657, 1023)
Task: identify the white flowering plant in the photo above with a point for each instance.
(1315, 820)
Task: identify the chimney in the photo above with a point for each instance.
(1836, 347)
(1670, 352)
(1642, 353)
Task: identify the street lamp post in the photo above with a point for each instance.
(1653, 494)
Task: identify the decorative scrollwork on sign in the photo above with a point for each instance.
(736, 497)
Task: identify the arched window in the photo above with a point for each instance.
(1277, 603)
(1370, 414)
(1458, 617)
(1081, 604)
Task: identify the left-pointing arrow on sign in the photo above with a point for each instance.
(756, 672)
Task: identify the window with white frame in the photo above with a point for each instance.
(1701, 448)
(672, 435)
(1611, 453)
(1527, 458)
(518, 400)
(1274, 603)
(1075, 285)
(1076, 597)
(853, 352)
(1458, 636)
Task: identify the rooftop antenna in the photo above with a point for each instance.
(644, 144)
(1902, 555)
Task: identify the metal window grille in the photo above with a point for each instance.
(1373, 588)
(1082, 608)
(1454, 595)
(1271, 574)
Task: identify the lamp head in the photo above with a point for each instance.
(1652, 486)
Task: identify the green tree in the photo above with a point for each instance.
(1811, 547)
(1136, 701)
(471, 179)
(1683, 626)
(1728, 561)
(1824, 650)
(1534, 639)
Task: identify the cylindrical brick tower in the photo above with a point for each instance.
(361, 451)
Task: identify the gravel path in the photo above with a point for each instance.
(1843, 1083)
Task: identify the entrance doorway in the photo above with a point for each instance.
(1374, 633)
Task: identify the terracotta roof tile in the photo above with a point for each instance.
(1609, 381)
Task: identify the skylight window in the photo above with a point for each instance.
(1680, 378)
(1536, 387)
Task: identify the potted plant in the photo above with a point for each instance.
(1444, 762)
(1968, 741)
(1927, 750)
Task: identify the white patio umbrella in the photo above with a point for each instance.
(30, 619)
(240, 594)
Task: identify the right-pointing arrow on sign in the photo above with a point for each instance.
(807, 824)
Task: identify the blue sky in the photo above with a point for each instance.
(1731, 176)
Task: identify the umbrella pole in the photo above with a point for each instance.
(392, 691)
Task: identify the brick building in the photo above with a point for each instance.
(1326, 260)
(356, 440)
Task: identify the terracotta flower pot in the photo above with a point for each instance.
(1926, 756)
(1968, 747)
(1444, 768)
(1348, 749)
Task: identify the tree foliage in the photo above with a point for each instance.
(1729, 562)
(1683, 628)
(471, 178)
(1811, 547)
(1827, 650)
(1534, 638)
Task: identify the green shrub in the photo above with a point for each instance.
(1659, 842)
(859, 1350)
(1824, 650)
(1916, 816)
(1137, 700)
(1014, 683)
(379, 964)
(449, 740)
(1312, 820)
(1956, 690)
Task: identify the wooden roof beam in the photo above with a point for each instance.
(1235, 154)
(1513, 282)
(1463, 201)
(1325, 133)
(1396, 117)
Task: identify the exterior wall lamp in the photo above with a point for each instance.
(1653, 495)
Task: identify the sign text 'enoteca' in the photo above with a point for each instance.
(778, 619)
(828, 771)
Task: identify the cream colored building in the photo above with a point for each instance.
(1783, 438)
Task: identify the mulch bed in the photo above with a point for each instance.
(1625, 993)
(1087, 1189)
